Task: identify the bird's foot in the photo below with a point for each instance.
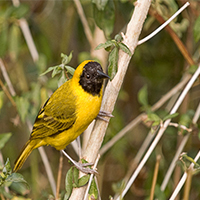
(103, 114)
(83, 168)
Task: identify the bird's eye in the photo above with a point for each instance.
(87, 76)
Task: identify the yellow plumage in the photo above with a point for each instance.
(68, 112)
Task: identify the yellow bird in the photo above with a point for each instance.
(68, 112)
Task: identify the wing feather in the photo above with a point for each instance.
(57, 115)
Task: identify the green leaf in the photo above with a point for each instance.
(69, 183)
(7, 168)
(118, 37)
(190, 159)
(156, 123)
(75, 177)
(197, 29)
(47, 71)
(143, 96)
(66, 197)
(84, 161)
(105, 45)
(4, 137)
(65, 58)
(100, 4)
(22, 107)
(62, 79)
(83, 180)
(17, 178)
(124, 48)
(60, 68)
(153, 117)
(57, 70)
(70, 70)
(20, 188)
(186, 119)
(20, 11)
(170, 116)
(193, 69)
(93, 191)
(105, 18)
(113, 62)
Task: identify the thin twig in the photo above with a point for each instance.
(59, 175)
(173, 163)
(84, 22)
(27, 34)
(96, 181)
(164, 24)
(48, 169)
(7, 79)
(7, 93)
(196, 115)
(180, 126)
(138, 156)
(29, 40)
(91, 177)
(155, 175)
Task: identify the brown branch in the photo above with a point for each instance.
(175, 37)
(155, 177)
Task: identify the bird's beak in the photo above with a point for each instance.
(102, 75)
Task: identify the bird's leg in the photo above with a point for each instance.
(103, 114)
(81, 166)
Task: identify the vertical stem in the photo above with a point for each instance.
(188, 184)
(59, 175)
(84, 22)
(155, 177)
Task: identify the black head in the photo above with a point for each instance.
(92, 77)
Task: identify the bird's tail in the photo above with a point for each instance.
(28, 148)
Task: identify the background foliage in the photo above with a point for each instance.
(56, 28)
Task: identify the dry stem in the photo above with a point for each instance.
(155, 177)
(59, 176)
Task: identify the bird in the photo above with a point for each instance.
(68, 112)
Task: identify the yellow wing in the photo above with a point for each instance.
(57, 115)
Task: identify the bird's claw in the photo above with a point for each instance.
(103, 114)
(83, 168)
